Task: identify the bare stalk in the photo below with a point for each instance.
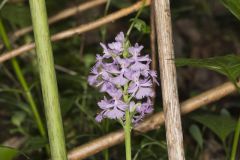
(171, 105)
(153, 46)
(48, 80)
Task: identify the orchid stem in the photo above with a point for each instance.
(127, 131)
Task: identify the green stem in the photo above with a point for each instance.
(23, 82)
(237, 130)
(106, 154)
(135, 18)
(235, 140)
(127, 132)
(48, 79)
(128, 122)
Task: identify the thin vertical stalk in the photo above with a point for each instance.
(153, 46)
(127, 133)
(128, 125)
(23, 82)
(171, 105)
(236, 133)
(106, 129)
(235, 140)
(48, 79)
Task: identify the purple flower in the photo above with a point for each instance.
(137, 59)
(135, 51)
(144, 109)
(112, 109)
(116, 47)
(140, 88)
(127, 80)
(123, 72)
(153, 75)
(120, 37)
(106, 51)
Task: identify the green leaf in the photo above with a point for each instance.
(221, 125)
(7, 153)
(233, 6)
(227, 65)
(140, 25)
(196, 134)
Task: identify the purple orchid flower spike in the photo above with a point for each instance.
(127, 80)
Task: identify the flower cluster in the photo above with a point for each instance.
(125, 76)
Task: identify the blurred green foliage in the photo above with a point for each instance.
(228, 65)
(8, 153)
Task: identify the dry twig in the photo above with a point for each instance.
(171, 105)
(77, 30)
(151, 123)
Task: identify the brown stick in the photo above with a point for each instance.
(16, 52)
(171, 105)
(151, 123)
(153, 46)
(77, 30)
(63, 15)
